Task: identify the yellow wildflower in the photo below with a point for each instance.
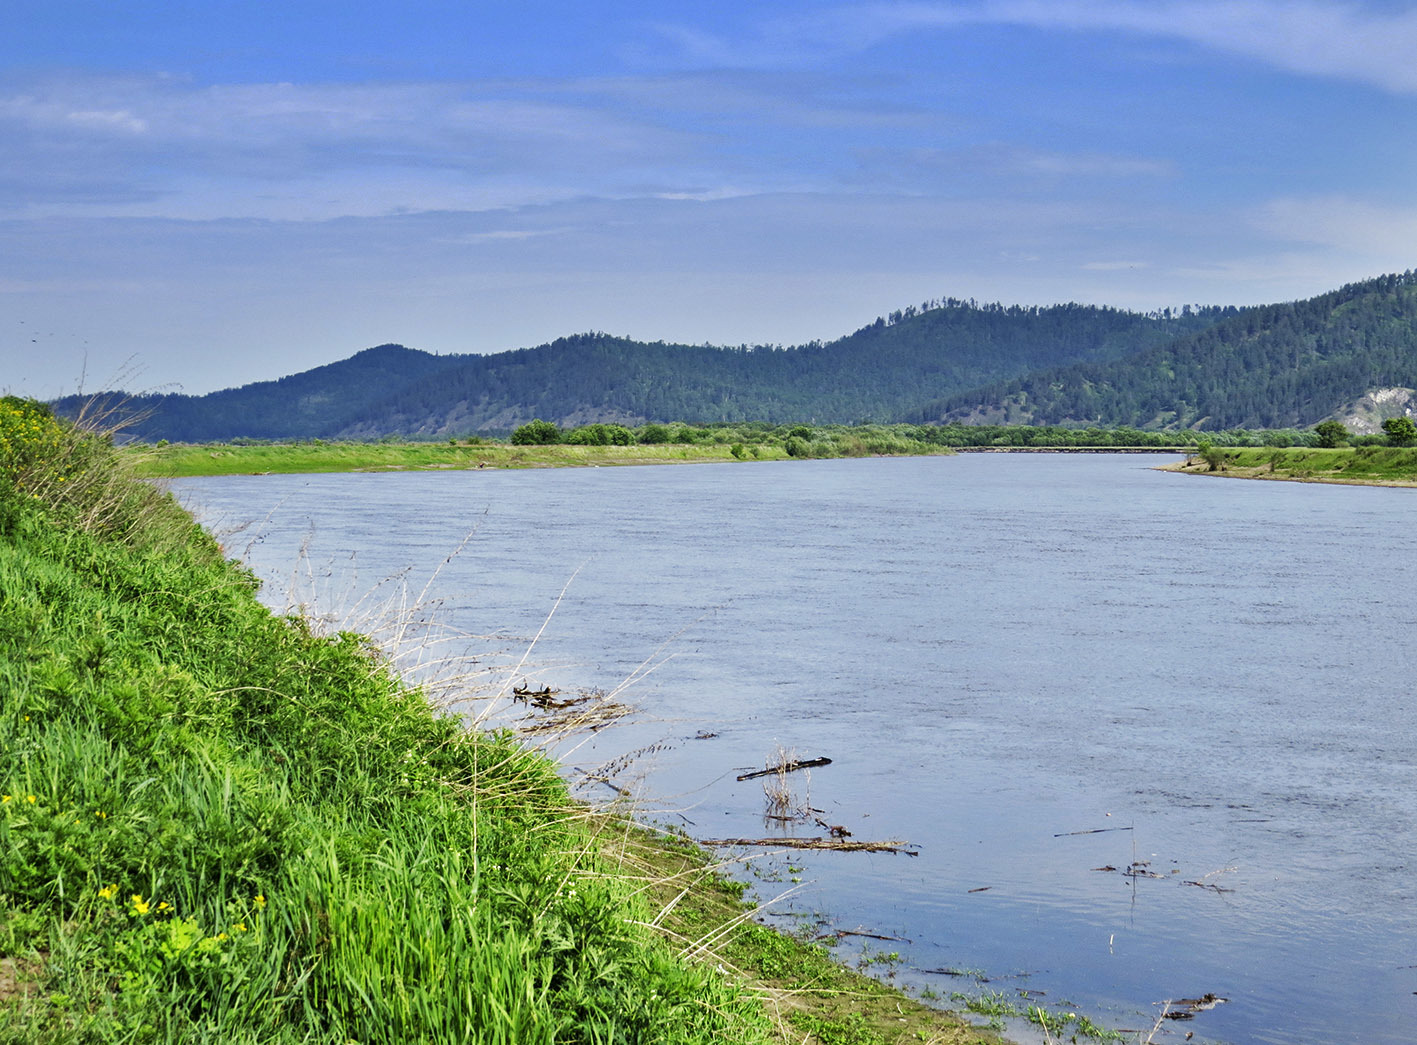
(164, 906)
(139, 904)
(4, 799)
(108, 892)
(30, 799)
(240, 927)
(260, 900)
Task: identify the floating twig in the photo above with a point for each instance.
(1203, 884)
(1094, 831)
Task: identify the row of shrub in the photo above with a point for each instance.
(901, 438)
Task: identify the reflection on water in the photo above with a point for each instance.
(997, 652)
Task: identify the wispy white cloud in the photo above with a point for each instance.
(1115, 266)
(995, 159)
(1377, 231)
(997, 170)
(166, 146)
(1349, 41)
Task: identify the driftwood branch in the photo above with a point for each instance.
(839, 933)
(787, 767)
(838, 844)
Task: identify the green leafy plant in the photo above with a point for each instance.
(536, 433)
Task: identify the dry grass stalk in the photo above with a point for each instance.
(783, 803)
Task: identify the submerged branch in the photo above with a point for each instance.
(838, 844)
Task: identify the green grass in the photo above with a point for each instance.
(745, 445)
(275, 458)
(1388, 465)
(217, 825)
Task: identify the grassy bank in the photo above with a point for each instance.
(217, 825)
(276, 458)
(693, 445)
(1364, 465)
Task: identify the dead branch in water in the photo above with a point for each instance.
(838, 844)
(839, 933)
(787, 767)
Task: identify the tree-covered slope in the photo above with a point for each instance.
(302, 406)
(1277, 366)
(879, 373)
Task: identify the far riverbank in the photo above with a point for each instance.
(187, 460)
(1354, 466)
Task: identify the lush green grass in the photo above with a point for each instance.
(259, 458)
(746, 443)
(219, 826)
(1388, 465)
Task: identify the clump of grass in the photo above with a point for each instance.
(783, 800)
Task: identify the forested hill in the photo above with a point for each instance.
(307, 405)
(1277, 366)
(882, 372)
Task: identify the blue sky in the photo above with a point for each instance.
(198, 195)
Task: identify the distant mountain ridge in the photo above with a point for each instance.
(1290, 364)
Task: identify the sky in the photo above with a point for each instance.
(198, 195)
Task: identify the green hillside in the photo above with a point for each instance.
(1278, 366)
(1274, 366)
(878, 373)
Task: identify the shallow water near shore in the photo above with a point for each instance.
(998, 652)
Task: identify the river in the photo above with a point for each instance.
(1212, 678)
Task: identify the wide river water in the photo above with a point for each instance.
(998, 652)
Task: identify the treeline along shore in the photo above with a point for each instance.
(1272, 454)
(219, 824)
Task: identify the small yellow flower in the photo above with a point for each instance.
(100, 814)
(260, 900)
(164, 906)
(240, 927)
(5, 799)
(139, 904)
(31, 799)
(222, 936)
(108, 892)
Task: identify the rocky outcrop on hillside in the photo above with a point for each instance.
(1365, 415)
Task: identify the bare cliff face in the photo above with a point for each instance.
(1365, 415)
